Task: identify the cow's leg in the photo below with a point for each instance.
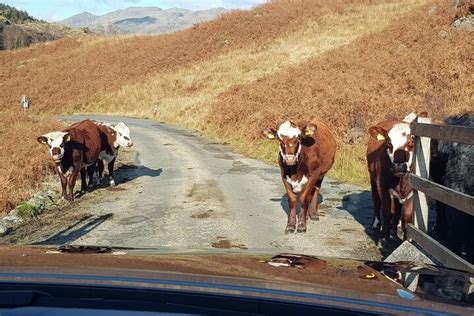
(377, 203)
(292, 199)
(72, 182)
(63, 179)
(407, 216)
(387, 216)
(90, 175)
(313, 205)
(100, 169)
(305, 199)
(395, 210)
(83, 180)
(111, 172)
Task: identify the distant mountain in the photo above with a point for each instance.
(80, 20)
(141, 20)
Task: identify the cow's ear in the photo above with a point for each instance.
(42, 140)
(378, 133)
(269, 133)
(309, 130)
(67, 138)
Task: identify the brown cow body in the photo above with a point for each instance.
(73, 149)
(389, 162)
(305, 157)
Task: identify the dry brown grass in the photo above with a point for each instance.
(24, 161)
(234, 75)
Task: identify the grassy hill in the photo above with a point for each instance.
(350, 63)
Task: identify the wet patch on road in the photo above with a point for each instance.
(132, 220)
(205, 214)
(226, 244)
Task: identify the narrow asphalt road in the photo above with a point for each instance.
(185, 192)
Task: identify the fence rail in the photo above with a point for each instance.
(423, 187)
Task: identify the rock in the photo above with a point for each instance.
(465, 22)
(3, 229)
(354, 135)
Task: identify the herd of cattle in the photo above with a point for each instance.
(82, 148)
(306, 153)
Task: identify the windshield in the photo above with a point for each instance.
(258, 127)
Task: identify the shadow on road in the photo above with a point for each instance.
(76, 231)
(359, 205)
(126, 173)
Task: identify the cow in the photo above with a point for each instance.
(452, 165)
(112, 137)
(306, 153)
(72, 150)
(389, 160)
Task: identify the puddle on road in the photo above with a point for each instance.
(226, 244)
(205, 214)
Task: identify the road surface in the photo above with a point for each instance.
(185, 192)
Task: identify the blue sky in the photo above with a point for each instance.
(55, 10)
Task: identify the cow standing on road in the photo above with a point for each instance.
(389, 160)
(73, 149)
(113, 137)
(306, 154)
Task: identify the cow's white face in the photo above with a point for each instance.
(123, 135)
(399, 144)
(56, 142)
(289, 136)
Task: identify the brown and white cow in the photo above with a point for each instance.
(306, 154)
(389, 160)
(113, 138)
(72, 150)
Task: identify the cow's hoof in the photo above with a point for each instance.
(314, 217)
(301, 230)
(289, 230)
(112, 183)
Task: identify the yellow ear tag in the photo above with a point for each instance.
(68, 138)
(308, 132)
(271, 136)
(43, 141)
(380, 137)
(370, 276)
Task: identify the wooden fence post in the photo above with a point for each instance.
(422, 169)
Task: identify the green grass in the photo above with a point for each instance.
(27, 211)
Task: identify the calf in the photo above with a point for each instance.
(306, 154)
(452, 165)
(389, 159)
(72, 150)
(112, 137)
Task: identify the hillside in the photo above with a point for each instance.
(348, 62)
(19, 29)
(142, 20)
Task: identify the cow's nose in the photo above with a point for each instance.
(399, 168)
(130, 144)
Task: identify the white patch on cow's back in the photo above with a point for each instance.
(297, 186)
(287, 130)
(399, 134)
(394, 195)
